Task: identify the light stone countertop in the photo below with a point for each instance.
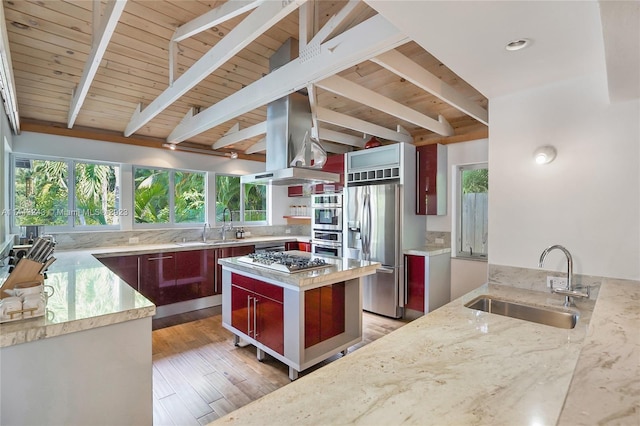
(339, 269)
(459, 366)
(428, 250)
(86, 295)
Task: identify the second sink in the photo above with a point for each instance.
(537, 314)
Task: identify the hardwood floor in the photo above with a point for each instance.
(199, 375)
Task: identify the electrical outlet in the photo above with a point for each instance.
(439, 240)
(287, 231)
(558, 282)
(134, 240)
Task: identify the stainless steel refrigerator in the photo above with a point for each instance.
(374, 216)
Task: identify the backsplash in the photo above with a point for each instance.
(536, 279)
(86, 240)
(432, 236)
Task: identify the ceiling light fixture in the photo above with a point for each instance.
(171, 146)
(544, 154)
(518, 44)
(233, 155)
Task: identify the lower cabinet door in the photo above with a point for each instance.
(191, 276)
(269, 325)
(158, 277)
(415, 285)
(324, 313)
(242, 310)
(311, 317)
(126, 267)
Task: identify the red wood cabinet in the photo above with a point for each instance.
(195, 274)
(334, 164)
(257, 310)
(223, 252)
(297, 245)
(158, 277)
(415, 282)
(126, 267)
(324, 313)
(431, 185)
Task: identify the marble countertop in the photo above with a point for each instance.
(339, 269)
(86, 295)
(461, 366)
(428, 250)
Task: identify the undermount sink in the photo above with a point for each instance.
(193, 243)
(537, 314)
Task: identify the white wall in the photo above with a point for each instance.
(588, 199)
(6, 144)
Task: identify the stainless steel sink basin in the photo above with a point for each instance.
(540, 315)
(193, 243)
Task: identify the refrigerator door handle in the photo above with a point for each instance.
(406, 285)
(366, 226)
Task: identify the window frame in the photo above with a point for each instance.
(459, 252)
(71, 197)
(172, 213)
(241, 222)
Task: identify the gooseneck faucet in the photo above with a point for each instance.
(570, 291)
(224, 229)
(204, 232)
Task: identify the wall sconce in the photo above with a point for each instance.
(544, 154)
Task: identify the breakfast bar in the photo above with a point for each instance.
(300, 317)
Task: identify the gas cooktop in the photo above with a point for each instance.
(284, 262)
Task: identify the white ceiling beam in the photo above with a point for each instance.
(336, 148)
(260, 20)
(307, 21)
(240, 135)
(259, 146)
(364, 41)
(342, 138)
(7, 82)
(404, 67)
(101, 36)
(333, 22)
(217, 16)
(348, 89)
(338, 119)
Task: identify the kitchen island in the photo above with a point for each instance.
(88, 360)
(298, 318)
(462, 366)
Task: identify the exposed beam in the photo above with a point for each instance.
(333, 22)
(260, 20)
(348, 89)
(217, 16)
(404, 67)
(364, 41)
(259, 146)
(239, 135)
(328, 116)
(101, 36)
(342, 138)
(7, 83)
(336, 148)
(307, 18)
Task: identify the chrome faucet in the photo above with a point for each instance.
(225, 227)
(204, 232)
(570, 291)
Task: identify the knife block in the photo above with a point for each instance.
(25, 271)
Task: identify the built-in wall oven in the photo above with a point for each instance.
(326, 212)
(326, 224)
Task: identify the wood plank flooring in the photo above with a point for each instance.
(199, 375)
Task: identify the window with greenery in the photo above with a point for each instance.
(229, 194)
(168, 196)
(472, 212)
(42, 189)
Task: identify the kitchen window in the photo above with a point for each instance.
(229, 194)
(42, 189)
(164, 196)
(472, 211)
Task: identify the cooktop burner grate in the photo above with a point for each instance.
(284, 262)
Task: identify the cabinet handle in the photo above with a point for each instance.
(160, 258)
(255, 317)
(138, 283)
(249, 315)
(418, 194)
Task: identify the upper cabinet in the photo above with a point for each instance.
(334, 164)
(431, 188)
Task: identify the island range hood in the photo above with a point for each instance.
(288, 120)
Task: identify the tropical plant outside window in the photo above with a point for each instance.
(473, 223)
(168, 196)
(42, 188)
(230, 192)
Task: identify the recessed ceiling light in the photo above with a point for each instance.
(171, 146)
(234, 155)
(518, 44)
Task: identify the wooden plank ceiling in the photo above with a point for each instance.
(51, 40)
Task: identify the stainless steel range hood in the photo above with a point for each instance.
(288, 119)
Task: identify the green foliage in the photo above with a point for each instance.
(475, 181)
(151, 198)
(189, 197)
